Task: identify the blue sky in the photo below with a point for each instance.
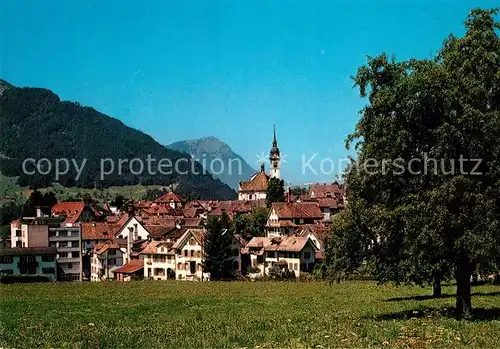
(231, 69)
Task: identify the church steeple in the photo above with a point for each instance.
(274, 157)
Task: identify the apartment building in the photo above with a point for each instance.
(67, 239)
(29, 261)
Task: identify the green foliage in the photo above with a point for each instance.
(118, 201)
(38, 200)
(426, 221)
(251, 225)
(34, 123)
(218, 255)
(299, 191)
(275, 191)
(9, 211)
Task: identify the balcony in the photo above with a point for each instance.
(68, 260)
(64, 238)
(68, 249)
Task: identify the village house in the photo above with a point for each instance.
(294, 253)
(134, 228)
(190, 255)
(159, 260)
(318, 233)
(134, 269)
(106, 257)
(285, 217)
(29, 261)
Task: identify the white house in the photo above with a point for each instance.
(159, 260)
(133, 227)
(106, 257)
(295, 253)
(190, 255)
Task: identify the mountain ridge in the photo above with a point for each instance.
(209, 148)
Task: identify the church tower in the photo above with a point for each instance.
(274, 158)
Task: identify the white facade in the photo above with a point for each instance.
(134, 228)
(160, 265)
(102, 265)
(256, 195)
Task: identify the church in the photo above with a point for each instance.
(256, 187)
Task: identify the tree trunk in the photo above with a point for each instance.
(463, 298)
(436, 287)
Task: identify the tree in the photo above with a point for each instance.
(118, 201)
(250, 225)
(275, 191)
(218, 255)
(420, 210)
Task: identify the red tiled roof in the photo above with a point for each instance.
(198, 235)
(328, 202)
(169, 197)
(99, 231)
(70, 210)
(192, 222)
(152, 247)
(297, 210)
(131, 267)
(320, 231)
(100, 248)
(324, 190)
(158, 230)
(287, 244)
(258, 182)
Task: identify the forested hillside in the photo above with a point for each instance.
(35, 123)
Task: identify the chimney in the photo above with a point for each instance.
(39, 212)
(129, 249)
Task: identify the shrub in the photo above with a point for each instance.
(12, 279)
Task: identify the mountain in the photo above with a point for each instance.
(207, 149)
(36, 124)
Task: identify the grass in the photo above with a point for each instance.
(148, 314)
(9, 189)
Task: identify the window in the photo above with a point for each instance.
(307, 255)
(18, 232)
(271, 254)
(179, 266)
(70, 265)
(63, 233)
(30, 270)
(192, 267)
(112, 261)
(52, 233)
(18, 243)
(63, 244)
(48, 258)
(62, 255)
(53, 244)
(185, 253)
(192, 241)
(27, 259)
(295, 266)
(6, 259)
(48, 270)
(7, 272)
(192, 253)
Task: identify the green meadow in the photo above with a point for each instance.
(152, 314)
